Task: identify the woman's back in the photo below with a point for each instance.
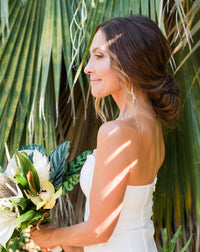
(148, 145)
(134, 229)
(143, 143)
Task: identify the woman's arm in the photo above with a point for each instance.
(114, 157)
(72, 249)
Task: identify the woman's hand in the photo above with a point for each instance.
(44, 237)
(72, 249)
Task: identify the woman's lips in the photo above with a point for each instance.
(92, 80)
(95, 80)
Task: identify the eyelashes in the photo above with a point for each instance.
(98, 56)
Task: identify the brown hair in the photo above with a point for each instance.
(142, 53)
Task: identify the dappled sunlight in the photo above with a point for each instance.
(115, 186)
(104, 47)
(112, 131)
(117, 151)
(118, 179)
(106, 223)
(112, 41)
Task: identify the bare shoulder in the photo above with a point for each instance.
(115, 130)
(117, 134)
(124, 144)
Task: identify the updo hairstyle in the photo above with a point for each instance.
(139, 52)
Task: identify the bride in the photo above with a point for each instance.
(128, 57)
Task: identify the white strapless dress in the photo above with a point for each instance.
(134, 230)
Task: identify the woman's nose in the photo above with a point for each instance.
(89, 68)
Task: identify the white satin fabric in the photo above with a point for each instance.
(134, 230)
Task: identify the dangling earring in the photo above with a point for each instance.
(133, 95)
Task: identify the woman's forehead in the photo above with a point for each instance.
(99, 42)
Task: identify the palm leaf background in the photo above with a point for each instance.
(45, 97)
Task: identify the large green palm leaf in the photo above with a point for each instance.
(41, 62)
(36, 41)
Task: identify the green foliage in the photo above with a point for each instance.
(4, 18)
(26, 217)
(33, 147)
(30, 205)
(40, 32)
(57, 159)
(22, 181)
(173, 241)
(25, 166)
(69, 184)
(21, 202)
(71, 178)
(20, 243)
(77, 163)
(1, 170)
(2, 249)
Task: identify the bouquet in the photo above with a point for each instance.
(30, 186)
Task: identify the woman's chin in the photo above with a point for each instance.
(97, 94)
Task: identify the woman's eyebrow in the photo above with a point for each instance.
(94, 49)
(97, 49)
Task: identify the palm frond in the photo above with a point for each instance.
(45, 98)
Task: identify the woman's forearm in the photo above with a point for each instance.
(79, 235)
(72, 249)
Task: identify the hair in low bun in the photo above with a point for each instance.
(139, 51)
(164, 98)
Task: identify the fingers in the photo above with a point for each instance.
(45, 249)
(33, 229)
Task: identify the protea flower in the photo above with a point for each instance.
(8, 188)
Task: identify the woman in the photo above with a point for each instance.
(128, 60)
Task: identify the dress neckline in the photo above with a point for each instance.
(93, 154)
(150, 184)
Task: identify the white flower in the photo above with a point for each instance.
(5, 203)
(11, 168)
(40, 163)
(46, 198)
(8, 216)
(7, 226)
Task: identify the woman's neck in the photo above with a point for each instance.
(130, 106)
